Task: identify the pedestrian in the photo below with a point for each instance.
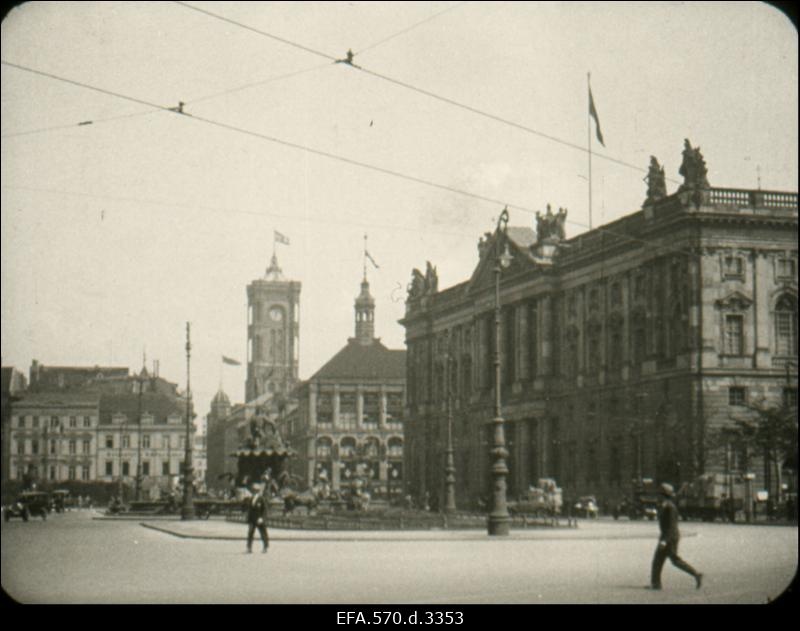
(257, 517)
(668, 541)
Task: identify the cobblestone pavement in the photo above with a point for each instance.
(72, 558)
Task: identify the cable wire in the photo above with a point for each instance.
(424, 92)
(326, 154)
(413, 26)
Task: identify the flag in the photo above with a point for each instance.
(593, 114)
(230, 362)
(280, 238)
(372, 260)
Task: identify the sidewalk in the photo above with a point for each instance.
(227, 531)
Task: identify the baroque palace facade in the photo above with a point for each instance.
(622, 349)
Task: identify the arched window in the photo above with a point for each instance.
(348, 447)
(786, 325)
(372, 447)
(395, 447)
(324, 448)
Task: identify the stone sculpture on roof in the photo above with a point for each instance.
(551, 226)
(656, 182)
(693, 168)
(423, 285)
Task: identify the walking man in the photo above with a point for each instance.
(668, 541)
(257, 517)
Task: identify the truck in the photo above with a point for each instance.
(642, 503)
(712, 496)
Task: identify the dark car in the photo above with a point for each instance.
(587, 507)
(28, 504)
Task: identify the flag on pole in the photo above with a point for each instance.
(372, 260)
(230, 362)
(593, 114)
(280, 238)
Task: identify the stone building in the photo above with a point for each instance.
(623, 350)
(349, 417)
(95, 424)
(14, 384)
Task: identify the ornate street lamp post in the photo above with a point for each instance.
(139, 445)
(499, 519)
(449, 467)
(187, 510)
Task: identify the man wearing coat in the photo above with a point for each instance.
(668, 541)
(257, 517)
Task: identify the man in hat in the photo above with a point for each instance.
(668, 541)
(257, 517)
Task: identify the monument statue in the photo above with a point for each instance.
(423, 285)
(656, 182)
(693, 168)
(551, 226)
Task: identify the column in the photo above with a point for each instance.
(360, 407)
(762, 320)
(382, 417)
(545, 314)
(336, 423)
(523, 347)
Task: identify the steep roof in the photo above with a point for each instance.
(65, 399)
(160, 406)
(364, 361)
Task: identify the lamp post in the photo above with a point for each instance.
(499, 519)
(449, 467)
(187, 510)
(138, 491)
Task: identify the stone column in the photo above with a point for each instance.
(336, 423)
(360, 407)
(523, 363)
(762, 309)
(546, 332)
(383, 402)
(313, 389)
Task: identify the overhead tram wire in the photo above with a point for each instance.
(200, 99)
(422, 91)
(320, 152)
(413, 26)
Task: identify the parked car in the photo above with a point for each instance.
(587, 507)
(28, 504)
(61, 500)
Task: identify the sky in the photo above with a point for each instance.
(117, 233)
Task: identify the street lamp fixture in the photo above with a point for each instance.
(499, 518)
(187, 510)
(449, 467)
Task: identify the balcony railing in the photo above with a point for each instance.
(752, 198)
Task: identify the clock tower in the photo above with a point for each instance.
(273, 333)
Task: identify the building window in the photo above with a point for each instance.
(73, 421)
(167, 441)
(87, 421)
(85, 472)
(54, 422)
(786, 325)
(72, 448)
(72, 473)
(20, 447)
(109, 467)
(395, 448)
(165, 468)
(737, 395)
(324, 408)
(126, 468)
(394, 407)
(52, 473)
(347, 410)
(53, 448)
(324, 448)
(734, 328)
(145, 467)
(785, 269)
(87, 446)
(126, 441)
(733, 267)
(372, 408)
(616, 295)
(348, 447)
(146, 441)
(35, 447)
(790, 397)
(109, 441)
(35, 421)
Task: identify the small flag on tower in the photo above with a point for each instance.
(372, 260)
(593, 114)
(230, 362)
(280, 238)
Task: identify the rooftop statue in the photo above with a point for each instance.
(656, 182)
(551, 226)
(423, 285)
(693, 168)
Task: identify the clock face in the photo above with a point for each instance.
(276, 314)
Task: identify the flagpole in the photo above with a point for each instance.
(589, 144)
(365, 257)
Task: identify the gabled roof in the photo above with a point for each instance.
(364, 361)
(64, 399)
